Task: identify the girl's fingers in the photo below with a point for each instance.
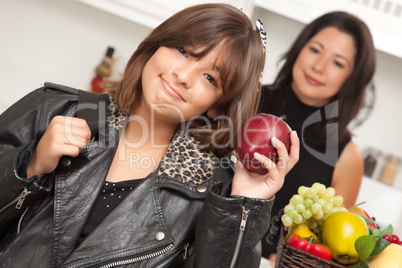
(265, 161)
(71, 150)
(70, 125)
(294, 148)
(295, 144)
(77, 127)
(75, 140)
(283, 156)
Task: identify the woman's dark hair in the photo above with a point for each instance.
(206, 26)
(352, 93)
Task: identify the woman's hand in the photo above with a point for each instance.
(264, 186)
(64, 136)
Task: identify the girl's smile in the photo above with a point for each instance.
(178, 86)
(171, 89)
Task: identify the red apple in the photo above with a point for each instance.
(256, 137)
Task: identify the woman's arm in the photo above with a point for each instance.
(348, 174)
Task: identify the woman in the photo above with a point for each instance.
(318, 91)
(146, 179)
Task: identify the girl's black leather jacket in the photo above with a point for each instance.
(179, 216)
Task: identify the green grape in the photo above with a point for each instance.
(327, 196)
(311, 193)
(312, 223)
(293, 213)
(307, 214)
(343, 209)
(308, 202)
(338, 200)
(302, 191)
(316, 208)
(319, 216)
(299, 219)
(312, 206)
(328, 209)
(286, 220)
(288, 208)
(322, 202)
(331, 191)
(300, 208)
(296, 199)
(318, 187)
(336, 209)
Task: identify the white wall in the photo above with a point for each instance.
(62, 41)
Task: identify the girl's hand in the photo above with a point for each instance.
(64, 136)
(264, 186)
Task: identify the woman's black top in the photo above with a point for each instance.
(317, 159)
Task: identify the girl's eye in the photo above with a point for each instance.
(182, 51)
(210, 79)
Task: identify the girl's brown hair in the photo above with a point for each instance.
(206, 25)
(351, 95)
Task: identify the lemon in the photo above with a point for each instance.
(340, 232)
(302, 230)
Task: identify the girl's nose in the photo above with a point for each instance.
(184, 74)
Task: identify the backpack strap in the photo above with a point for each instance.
(93, 108)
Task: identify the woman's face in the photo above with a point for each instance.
(322, 66)
(178, 86)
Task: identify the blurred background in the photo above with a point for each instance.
(62, 41)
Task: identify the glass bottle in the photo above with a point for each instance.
(370, 162)
(390, 169)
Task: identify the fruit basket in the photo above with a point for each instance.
(290, 257)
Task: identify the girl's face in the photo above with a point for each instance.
(178, 86)
(322, 66)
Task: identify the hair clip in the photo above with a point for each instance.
(260, 29)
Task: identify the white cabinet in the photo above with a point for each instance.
(384, 18)
(151, 13)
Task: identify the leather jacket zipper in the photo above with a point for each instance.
(20, 221)
(19, 200)
(185, 247)
(139, 258)
(244, 216)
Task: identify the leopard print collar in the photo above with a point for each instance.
(184, 160)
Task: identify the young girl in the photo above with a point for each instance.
(144, 178)
(325, 75)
